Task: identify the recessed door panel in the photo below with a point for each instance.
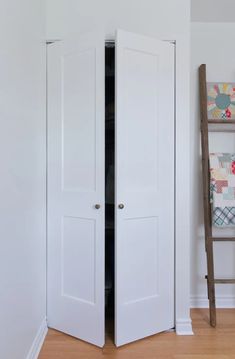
(79, 120)
(78, 256)
(136, 248)
(140, 170)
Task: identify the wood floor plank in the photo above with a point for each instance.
(207, 343)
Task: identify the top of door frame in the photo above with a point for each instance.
(108, 39)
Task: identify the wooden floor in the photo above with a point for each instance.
(207, 343)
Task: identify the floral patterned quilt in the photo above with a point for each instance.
(222, 188)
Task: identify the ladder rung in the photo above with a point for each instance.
(223, 122)
(222, 281)
(222, 239)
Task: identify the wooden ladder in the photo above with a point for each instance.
(206, 126)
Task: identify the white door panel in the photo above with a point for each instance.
(75, 185)
(144, 243)
(144, 246)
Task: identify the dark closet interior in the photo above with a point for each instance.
(109, 182)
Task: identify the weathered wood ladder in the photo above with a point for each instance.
(221, 126)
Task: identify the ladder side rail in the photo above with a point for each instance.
(206, 193)
(205, 152)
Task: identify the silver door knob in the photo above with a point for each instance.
(121, 206)
(97, 206)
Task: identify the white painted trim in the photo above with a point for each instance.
(38, 341)
(223, 301)
(182, 187)
(184, 327)
(51, 41)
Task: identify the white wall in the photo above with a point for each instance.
(166, 20)
(211, 43)
(22, 175)
(150, 17)
(213, 10)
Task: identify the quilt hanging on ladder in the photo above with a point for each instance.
(222, 189)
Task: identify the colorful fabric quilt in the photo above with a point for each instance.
(222, 188)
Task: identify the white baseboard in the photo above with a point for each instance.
(197, 301)
(184, 327)
(38, 341)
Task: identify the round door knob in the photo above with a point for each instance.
(121, 206)
(97, 206)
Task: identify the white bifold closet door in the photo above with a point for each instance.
(144, 235)
(144, 251)
(75, 186)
